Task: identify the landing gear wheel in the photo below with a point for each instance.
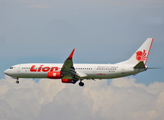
(17, 82)
(81, 84)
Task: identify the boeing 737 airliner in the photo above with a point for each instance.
(71, 73)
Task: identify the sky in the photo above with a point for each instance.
(101, 31)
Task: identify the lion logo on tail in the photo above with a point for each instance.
(141, 56)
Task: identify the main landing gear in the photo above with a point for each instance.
(81, 84)
(17, 81)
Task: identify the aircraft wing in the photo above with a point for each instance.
(67, 70)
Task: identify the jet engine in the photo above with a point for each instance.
(54, 75)
(66, 80)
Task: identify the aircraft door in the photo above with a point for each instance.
(94, 69)
(19, 69)
(123, 69)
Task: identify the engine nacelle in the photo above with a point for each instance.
(54, 75)
(66, 80)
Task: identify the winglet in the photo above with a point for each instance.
(71, 55)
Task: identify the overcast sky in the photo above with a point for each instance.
(101, 31)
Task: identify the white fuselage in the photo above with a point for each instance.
(88, 71)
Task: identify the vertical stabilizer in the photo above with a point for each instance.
(142, 53)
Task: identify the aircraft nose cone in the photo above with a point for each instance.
(6, 72)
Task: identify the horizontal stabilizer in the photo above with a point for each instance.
(140, 65)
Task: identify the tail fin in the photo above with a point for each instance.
(142, 53)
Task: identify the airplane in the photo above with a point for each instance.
(71, 73)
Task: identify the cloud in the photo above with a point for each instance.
(51, 99)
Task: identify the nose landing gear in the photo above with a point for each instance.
(17, 81)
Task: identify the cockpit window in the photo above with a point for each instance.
(11, 67)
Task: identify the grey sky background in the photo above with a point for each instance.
(101, 31)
